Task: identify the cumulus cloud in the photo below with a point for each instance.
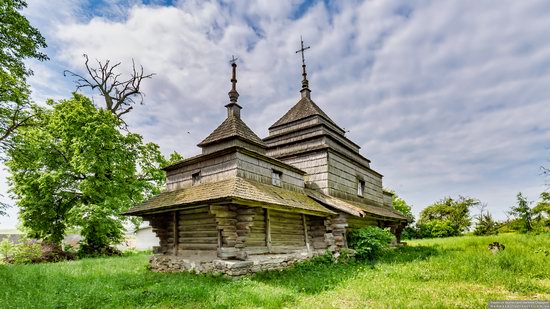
(445, 97)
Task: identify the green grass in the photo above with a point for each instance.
(452, 272)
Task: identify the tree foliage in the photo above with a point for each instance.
(486, 225)
(541, 211)
(447, 217)
(401, 205)
(523, 212)
(370, 242)
(76, 168)
(18, 41)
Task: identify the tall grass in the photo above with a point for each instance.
(452, 272)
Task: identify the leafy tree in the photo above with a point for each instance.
(18, 41)
(541, 211)
(523, 213)
(486, 225)
(447, 217)
(401, 205)
(76, 168)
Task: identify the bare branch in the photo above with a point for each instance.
(119, 94)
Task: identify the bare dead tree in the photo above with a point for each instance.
(120, 95)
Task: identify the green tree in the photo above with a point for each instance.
(76, 168)
(541, 211)
(18, 41)
(447, 217)
(486, 225)
(523, 213)
(401, 205)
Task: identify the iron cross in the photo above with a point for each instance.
(302, 50)
(233, 60)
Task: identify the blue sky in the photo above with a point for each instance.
(445, 97)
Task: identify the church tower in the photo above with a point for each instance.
(309, 139)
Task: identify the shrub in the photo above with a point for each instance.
(437, 228)
(6, 249)
(370, 242)
(25, 253)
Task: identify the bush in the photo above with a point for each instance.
(32, 252)
(6, 249)
(437, 228)
(370, 242)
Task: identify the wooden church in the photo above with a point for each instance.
(247, 204)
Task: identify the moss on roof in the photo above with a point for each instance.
(230, 190)
(354, 208)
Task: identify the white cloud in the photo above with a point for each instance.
(446, 97)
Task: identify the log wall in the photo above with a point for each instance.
(197, 229)
(316, 232)
(256, 241)
(287, 231)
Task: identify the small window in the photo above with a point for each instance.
(360, 187)
(276, 177)
(196, 178)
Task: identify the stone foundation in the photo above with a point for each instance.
(233, 268)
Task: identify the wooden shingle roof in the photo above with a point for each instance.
(303, 109)
(232, 127)
(237, 190)
(354, 208)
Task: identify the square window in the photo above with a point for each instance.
(360, 187)
(196, 178)
(276, 177)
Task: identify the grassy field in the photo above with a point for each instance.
(452, 272)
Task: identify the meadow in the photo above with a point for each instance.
(448, 272)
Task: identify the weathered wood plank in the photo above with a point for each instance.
(268, 229)
(198, 246)
(203, 209)
(199, 240)
(204, 233)
(201, 227)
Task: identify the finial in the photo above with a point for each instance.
(233, 108)
(233, 94)
(305, 83)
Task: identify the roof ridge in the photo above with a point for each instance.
(232, 127)
(304, 108)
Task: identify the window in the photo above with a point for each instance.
(196, 178)
(360, 187)
(276, 177)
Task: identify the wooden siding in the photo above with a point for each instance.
(357, 223)
(315, 164)
(258, 170)
(388, 201)
(212, 170)
(231, 143)
(303, 146)
(343, 178)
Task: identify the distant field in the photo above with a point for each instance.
(452, 272)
